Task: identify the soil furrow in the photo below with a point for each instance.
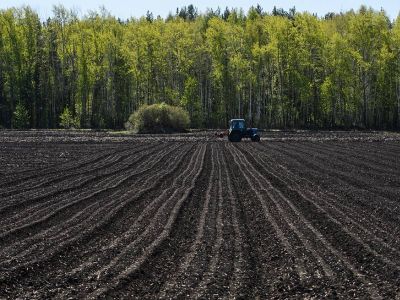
(64, 209)
(376, 156)
(215, 281)
(69, 245)
(55, 235)
(339, 167)
(355, 180)
(34, 212)
(240, 276)
(126, 271)
(294, 222)
(178, 283)
(269, 217)
(351, 195)
(363, 165)
(297, 197)
(165, 261)
(104, 161)
(76, 186)
(55, 169)
(367, 228)
(145, 218)
(300, 215)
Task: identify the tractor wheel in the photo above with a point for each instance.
(235, 137)
(255, 138)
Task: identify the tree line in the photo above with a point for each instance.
(278, 69)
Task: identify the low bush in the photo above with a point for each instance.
(159, 118)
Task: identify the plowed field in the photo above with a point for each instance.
(299, 215)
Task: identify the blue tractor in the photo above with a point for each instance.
(238, 130)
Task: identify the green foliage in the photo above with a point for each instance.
(279, 69)
(159, 118)
(191, 102)
(67, 121)
(20, 117)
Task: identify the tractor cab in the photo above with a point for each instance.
(237, 124)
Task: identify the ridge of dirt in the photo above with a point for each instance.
(299, 215)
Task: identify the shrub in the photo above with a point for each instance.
(159, 118)
(21, 117)
(67, 120)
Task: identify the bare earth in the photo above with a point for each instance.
(100, 215)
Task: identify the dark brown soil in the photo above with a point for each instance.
(103, 215)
